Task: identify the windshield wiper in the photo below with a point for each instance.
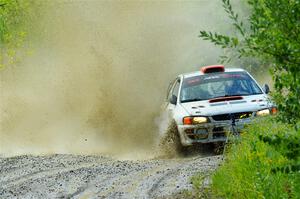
(192, 100)
(230, 95)
(222, 96)
(199, 99)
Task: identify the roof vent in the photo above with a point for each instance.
(213, 69)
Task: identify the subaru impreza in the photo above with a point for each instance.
(203, 106)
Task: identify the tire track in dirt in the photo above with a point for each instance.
(71, 176)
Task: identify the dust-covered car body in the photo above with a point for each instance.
(208, 103)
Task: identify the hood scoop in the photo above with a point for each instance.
(222, 99)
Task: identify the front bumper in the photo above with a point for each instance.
(210, 132)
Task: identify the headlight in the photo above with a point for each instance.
(199, 120)
(263, 112)
(194, 120)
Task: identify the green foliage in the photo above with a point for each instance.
(14, 16)
(226, 41)
(200, 189)
(273, 37)
(265, 164)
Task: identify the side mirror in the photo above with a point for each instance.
(173, 100)
(266, 88)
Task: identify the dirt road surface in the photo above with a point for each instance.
(78, 176)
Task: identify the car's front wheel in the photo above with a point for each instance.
(170, 143)
(219, 147)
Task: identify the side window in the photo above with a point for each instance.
(176, 88)
(173, 89)
(169, 92)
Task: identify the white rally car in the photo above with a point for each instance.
(206, 104)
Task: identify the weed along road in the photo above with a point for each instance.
(74, 176)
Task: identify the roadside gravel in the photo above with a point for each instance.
(78, 176)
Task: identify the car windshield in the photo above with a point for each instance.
(204, 87)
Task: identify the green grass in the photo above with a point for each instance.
(264, 163)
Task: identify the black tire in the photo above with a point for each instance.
(219, 147)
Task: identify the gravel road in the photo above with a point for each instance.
(78, 176)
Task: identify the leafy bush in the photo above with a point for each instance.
(272, 35)
(14, 18)
(265, 164)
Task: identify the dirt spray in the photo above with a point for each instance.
(98, 75)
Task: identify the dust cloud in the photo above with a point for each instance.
(98, 73)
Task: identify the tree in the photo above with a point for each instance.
(14, 16)
(272, 35)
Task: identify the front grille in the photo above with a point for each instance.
(228, 116)
(218, 130)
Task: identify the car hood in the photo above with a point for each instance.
(246, 104)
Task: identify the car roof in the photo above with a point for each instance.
(197, 73)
